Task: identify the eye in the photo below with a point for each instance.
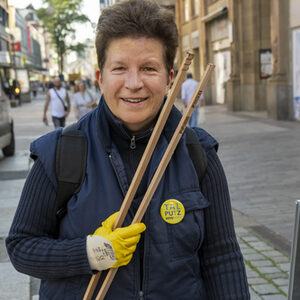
(120, 68)
(149, 69)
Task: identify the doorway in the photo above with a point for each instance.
(222, 71)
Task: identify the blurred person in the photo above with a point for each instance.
(88, 83)
(59, 102)
(34, 88)
(187, 90)
(75, 88)
(96, 85)
(83, 101)
(196, 258)
(50, 84)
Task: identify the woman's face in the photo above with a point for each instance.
(134, 80)
(81, 87)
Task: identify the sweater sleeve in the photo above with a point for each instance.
(32, 244)
(222, 263)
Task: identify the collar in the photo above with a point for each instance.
(109, 125)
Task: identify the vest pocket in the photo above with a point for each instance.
(186, 237)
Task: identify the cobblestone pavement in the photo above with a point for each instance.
(267, 268)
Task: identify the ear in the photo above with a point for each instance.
(170, 77)
(99, 78)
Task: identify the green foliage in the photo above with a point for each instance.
(58, 19)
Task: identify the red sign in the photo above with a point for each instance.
(17, 47)
(29, 40)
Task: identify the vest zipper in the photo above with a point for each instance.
(132, 143)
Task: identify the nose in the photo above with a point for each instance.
(133, 80)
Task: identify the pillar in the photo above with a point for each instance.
(279, 91)
(233, 85)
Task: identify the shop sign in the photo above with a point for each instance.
(28, 40)
(219, 29)
(17, 46)
(24, 60)
(265, 60)
(23, 79)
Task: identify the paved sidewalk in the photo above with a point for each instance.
(267, 268)
(262, 164)
(13, 285)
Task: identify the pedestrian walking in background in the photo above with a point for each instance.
(187, 90)
(83, 101)
(59, 103)
(198, 256)
(34, 88)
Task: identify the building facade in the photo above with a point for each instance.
(5, 42)
(250, 44)
(21, 49)
(84, 64)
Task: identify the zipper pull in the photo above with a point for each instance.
(141, 295)
(132, 143)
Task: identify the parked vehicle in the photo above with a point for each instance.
(7, 138)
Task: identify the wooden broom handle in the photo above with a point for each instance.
(161, 168)
(163, 116)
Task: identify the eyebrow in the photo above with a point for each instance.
(150, 61)
(116, 62)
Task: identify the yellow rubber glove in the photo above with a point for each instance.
(112, 249)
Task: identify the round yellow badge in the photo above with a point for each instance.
(172, 211)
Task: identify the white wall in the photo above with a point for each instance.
(294, 13)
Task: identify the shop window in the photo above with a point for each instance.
(1, 15)
(5, 18)
(186, 10)
(195, 8)
(3, 45)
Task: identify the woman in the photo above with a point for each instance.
(83, 101)
(197, 258)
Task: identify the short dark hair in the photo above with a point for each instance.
(189, 75)
(137, 18)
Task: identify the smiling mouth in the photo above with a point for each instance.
(131, 100)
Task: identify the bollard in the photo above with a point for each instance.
(294, 279)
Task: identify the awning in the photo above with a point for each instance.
(213, 15)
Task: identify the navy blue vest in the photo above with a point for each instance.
(171, 266)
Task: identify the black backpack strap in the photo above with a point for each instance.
(71, 153)
(196, 152)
